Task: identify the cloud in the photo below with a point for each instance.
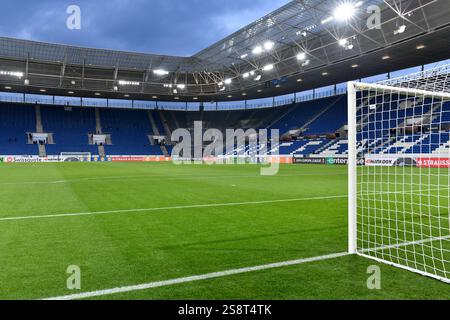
(175, 27)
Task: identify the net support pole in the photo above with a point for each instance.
(352, 167)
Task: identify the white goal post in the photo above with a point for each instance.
(399, 172)
(76, 154)
(73, 156)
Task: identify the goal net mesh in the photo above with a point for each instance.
(403, 157)
(75, 154)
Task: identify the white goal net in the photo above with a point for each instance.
(82, 156)
(399, 149)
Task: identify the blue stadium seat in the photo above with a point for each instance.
(15, 122)
(129, 130)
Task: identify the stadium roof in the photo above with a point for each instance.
(303, 45)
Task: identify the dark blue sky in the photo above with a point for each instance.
(175, 27)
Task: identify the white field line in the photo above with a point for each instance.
(213, 275)
(210, 205)
(194, 206)
(170, 177)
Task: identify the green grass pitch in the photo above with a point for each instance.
(134, 247)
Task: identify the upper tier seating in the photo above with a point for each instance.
(331, 120)
(299, 115)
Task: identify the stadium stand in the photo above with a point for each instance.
(159, 130)
(130, 131)
(70, 128)
(303, 115)
(333, 148)
(389, 116)
(332, 119)
(309, 128)
(15, 122)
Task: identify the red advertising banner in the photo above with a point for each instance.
(139, 159)
(433, 162)
(280, 159)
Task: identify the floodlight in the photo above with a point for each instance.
(129, 83)
(301, 56)
(11, 74)
(257, 50)
(228, 81)
(401, 29)
(161, 72)
(268, 45)
(268, 67)
(325, 21)
(343, 42)
(344, 12)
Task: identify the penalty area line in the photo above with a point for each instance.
(158, 284)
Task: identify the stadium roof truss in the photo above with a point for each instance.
(291, 49)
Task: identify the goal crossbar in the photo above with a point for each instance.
(375, 86)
